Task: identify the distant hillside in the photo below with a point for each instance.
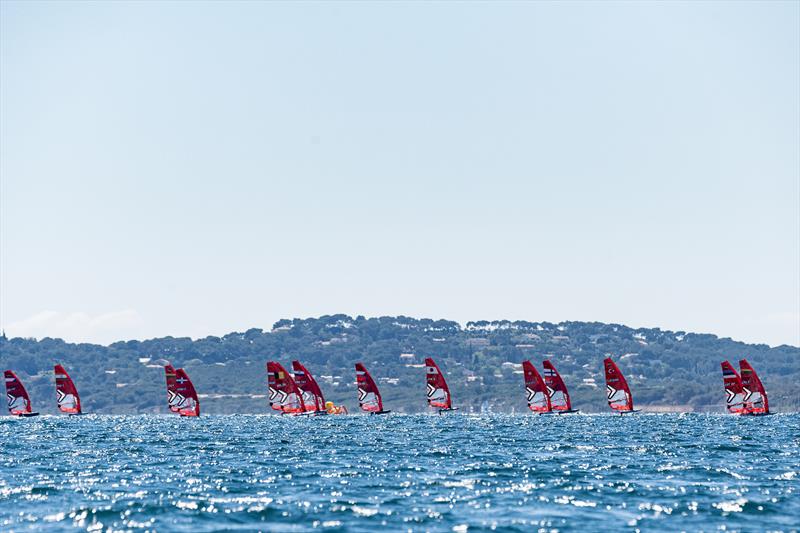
(667, 370)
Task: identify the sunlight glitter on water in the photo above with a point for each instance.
(399, 472)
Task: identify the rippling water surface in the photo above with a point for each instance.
(400, 472)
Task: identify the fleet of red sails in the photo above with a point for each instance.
(548, 394)
(67, 397)
(299, 392)
(744, 392)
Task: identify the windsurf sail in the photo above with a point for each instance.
(187, 402)
(369, 397)
(755, 397)
(284, 395)
(312, 394)
(172, 393)
(619, 394)
(438, 391)
(19, 403)
(733, 388)
(556, 388)
(538, 399)
(66, 393)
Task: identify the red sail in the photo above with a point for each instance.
(19, 403)
(538, 399)
(733, 388)
(284, 395)
(172, 394)
(66, 393)
(619, 394)
(188, 404)
(755, 397)
(369, 397)
(438, 391)
(312, 394)
(559, 396)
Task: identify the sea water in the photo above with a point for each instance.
(454, 472)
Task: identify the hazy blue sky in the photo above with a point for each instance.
(200, 168)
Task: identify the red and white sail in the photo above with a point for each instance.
(538, 399)
(619, 394)
(755, 397)
(188, 403)
(369, 397)
(312, 394)
(438, 391)
(19, 403)
(172, 393)
(66, 394)
(284, 394)
(734, 390)
(556, 388)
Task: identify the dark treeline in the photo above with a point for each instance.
(666, 370)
